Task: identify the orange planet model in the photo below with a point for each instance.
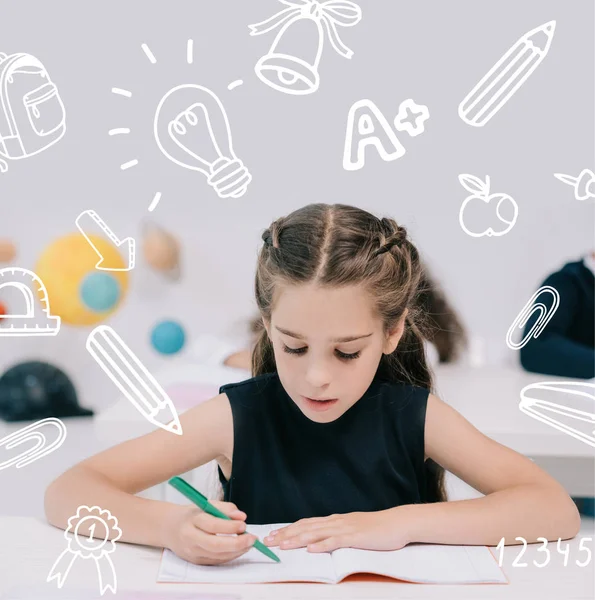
(63, 267)
(7, 251)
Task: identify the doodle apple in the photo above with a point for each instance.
(497, 207)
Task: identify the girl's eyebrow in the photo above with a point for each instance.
(349, 338)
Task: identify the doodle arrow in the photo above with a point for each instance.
(89, 222)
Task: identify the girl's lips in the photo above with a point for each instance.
(318, 405)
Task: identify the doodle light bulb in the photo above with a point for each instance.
(192, 130)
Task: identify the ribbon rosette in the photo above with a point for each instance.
(330, 13)
(90, 546)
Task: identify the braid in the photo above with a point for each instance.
(267, 238)
(271, 236)
(393, 234)
(385, 248)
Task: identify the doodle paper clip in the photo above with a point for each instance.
(39, 450)
(545, 314)
(576, 392)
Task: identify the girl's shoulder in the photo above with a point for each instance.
(256, 382)
(402, 394)
(252, 390)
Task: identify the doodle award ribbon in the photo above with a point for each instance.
(96, 545)
(280, 68)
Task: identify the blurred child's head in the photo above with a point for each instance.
(328, 272)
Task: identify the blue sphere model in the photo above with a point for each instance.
(99, 292)
(168, 337)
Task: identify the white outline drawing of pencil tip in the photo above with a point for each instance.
(101, 532)
(132, 378)
(480, 192)
(32, 114)
(536, 304)
(280, 68)
(583, 184)
(501, 82)
(90, 223)
(31, 321)
(367, 126)
(577, 407)
(408, 110)
(192, 130)
(34, 433)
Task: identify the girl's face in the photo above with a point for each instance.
(327, 344)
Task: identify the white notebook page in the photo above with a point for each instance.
(423, 563)
(253, 566)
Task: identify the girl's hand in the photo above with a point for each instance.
(192, 534)
(381, 530)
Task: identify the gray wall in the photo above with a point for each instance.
(432, 51)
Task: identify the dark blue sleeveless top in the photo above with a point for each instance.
(286, 467)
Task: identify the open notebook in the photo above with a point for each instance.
(423, 563)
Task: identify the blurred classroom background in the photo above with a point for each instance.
(187, 304)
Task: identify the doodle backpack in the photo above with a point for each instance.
(31, 110)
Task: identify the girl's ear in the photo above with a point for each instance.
(395, 334)
(266, 325)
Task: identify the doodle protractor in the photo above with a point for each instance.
(28, 322)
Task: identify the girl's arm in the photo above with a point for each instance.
(521, 500)
(110, 479)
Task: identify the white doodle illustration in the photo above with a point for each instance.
(155, 201)
(234, 84)
(575, 415)
(584, 184)
(479, 208)
(367, 126)
(408, 110)
(33, 432)
(90, 223)
(101, 532)
(192, 130)
(148, 53)
(512, 70)
(29, 322)
(32, 115)
(291, 70)
(132, 378)
(130, 163)
(121, 92)
(535, 304)
(119, 131)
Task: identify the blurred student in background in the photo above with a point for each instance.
(566, 347)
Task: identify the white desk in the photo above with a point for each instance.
(489, 398)
(29, 548)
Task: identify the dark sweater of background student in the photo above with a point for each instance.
(566, 346)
